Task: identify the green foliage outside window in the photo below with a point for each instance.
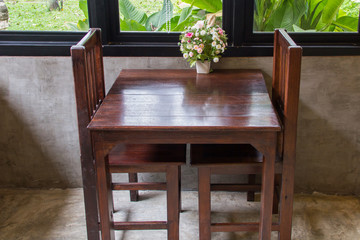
(172, 16)
(176, 15)
(307, 15)
(34, 15)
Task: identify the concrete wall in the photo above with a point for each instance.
(38, 130)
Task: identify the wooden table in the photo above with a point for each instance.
(180, 106)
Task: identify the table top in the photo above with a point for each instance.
(234, 100)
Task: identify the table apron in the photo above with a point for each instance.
(259, 139)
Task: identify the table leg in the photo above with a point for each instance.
(267, 191)
(172, 177)
(105, 200)
(204, 204)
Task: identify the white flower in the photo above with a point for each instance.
(216, 59)
(217, 51)
(213, 44)
(199, 24)
(185, 55)
(188, 46)
(196, 34)
(214, 38)
(203, 32)
(218, 46)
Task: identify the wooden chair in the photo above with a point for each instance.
(88, 71)
(245, 159)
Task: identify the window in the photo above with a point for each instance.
(306, 16)
(151, 27)
(44, 15)
(165, 15)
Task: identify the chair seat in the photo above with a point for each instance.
(148, 154)
(210, 154)
(238, 158)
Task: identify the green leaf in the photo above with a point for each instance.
(83, 25)
(185, 19)
(158, 19)
(347, 23)
(131, 25)
(330, 10)
(299, 29)
(208, 5)
(185, 14)
(84, 7)
(129, 11)
(288, 14)
(73, 26)
(181, 26)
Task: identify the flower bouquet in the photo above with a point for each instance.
(203, 42)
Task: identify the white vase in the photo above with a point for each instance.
(203, 67)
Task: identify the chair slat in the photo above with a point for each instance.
(140, 225)
(238, 227)
(139, 186)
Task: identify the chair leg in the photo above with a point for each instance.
(134, 194)
(105, 198)
(172, 179)
(286, 200)
(204, 203)
(267, 193)
(277, 190)
(251, 194)
(179, 183)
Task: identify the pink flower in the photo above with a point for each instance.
(199, 50)
(189, 35)
(191, 54)
(189, 41)
(221, 32)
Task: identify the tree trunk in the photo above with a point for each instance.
(4, 16)
(54, 5)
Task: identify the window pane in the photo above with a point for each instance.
(44, 15)
(166, 15)
(306, 15)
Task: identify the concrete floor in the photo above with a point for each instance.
(59, 214)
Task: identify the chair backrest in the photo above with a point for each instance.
(285, 89)
(87, 59)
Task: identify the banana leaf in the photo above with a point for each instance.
(330, 10)
(84, 8)
(288, 14)
(158, 19)
(208, 5)
(131, 25)
(347, 23)
(129, 11)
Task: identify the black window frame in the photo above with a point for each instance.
(237, 22)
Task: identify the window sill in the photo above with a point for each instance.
(12, 48)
